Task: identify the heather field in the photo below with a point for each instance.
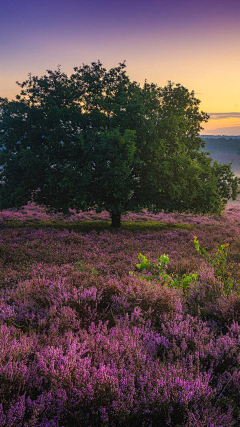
(131, 327)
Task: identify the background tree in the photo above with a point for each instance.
(98, 140)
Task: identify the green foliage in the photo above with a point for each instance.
(219, 263)
(157, 270)
(98, 140)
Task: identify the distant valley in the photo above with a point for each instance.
(219, 144)
(224, 149)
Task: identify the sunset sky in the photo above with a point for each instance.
(195, 43)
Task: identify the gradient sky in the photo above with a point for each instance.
(195, 43)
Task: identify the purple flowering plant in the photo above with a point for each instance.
(83, 343)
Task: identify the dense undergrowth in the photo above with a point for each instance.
(85, 343)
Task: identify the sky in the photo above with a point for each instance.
(194, 43)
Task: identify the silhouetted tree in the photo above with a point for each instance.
(98, 140)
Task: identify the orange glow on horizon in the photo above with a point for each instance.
(222, 126)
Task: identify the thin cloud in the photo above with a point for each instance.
(218, 116)
(227, 131)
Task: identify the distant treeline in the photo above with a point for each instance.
(222, 144)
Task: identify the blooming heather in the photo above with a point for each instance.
(83, 343)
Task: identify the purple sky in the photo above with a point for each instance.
(195, 43)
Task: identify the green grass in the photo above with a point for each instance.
(87, 226)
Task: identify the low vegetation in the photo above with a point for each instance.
(137, 326)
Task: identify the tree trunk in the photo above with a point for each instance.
(116, 220)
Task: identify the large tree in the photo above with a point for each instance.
(98, 140)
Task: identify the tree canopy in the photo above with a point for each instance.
(98, 140)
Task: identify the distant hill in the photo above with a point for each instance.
(222, 144)
(224, 149)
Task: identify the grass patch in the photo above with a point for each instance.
(87, 226)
